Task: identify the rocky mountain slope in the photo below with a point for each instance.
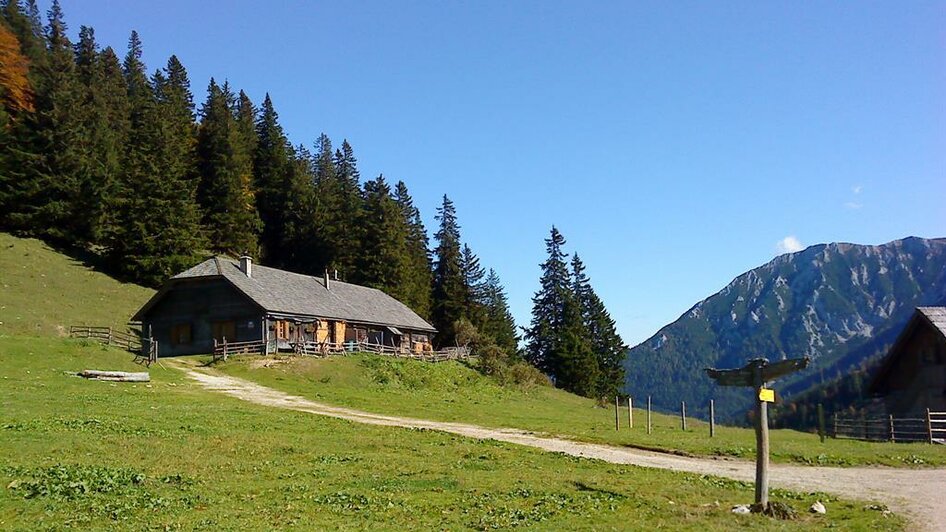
(836, 303)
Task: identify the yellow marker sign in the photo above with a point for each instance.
(767, 395)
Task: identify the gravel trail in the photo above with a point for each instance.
(919, 494)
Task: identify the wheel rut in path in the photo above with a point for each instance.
(917, 493)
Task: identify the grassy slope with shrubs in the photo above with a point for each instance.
(170, 455)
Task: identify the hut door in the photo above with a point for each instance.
(224, 330)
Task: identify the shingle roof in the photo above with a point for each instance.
(936, 317)
(285, 292)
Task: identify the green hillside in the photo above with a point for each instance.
(170, 455)
(452, 391)
(43, 292)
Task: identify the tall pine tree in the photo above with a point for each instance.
(272, 166)
(103, 111)
(449, 294)
(383, 256)
(608, 347)
(226, 192)
(52, 204)
(16, 104)
(416, 258)
(474, 277)
(544, 336)
(348, 201)
(500, 326)
(152, 228)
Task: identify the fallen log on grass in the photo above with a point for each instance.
(116, 376)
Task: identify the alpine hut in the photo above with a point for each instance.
(226, 300)
(912, 377)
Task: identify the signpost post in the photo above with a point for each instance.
(755, 374)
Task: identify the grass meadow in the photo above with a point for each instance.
(169, 455)
(452, 391)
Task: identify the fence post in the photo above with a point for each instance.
(893, 437)
(630, 412)
(821, 430)
(224, 348)
(648, 415)
(108, 341)
(866, 431)
(617, 409)
(712, 418)
(835, 425)
(683, 414)
(929, 426)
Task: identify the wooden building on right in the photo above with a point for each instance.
(912, 377)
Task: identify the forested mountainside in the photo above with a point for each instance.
(840, 304)
(101, 158)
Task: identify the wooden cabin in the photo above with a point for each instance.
(912, 377)
(223, 299)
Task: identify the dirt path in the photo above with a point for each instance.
(917, 493)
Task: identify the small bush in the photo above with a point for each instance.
(507, 370)
(73, 482)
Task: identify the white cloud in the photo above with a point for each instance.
(856, 189)
(853, 205)
(789, 244)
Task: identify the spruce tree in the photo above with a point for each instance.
(271, 168)
(500, 326)
(474, 276)
(606, 344)
(545, 334)
(27, 27)
(226, 193)
(16, 104)
(576, 364)
(103, 112)
(382, 261)
(449, 293)
(418, 276)
(52, 205)
(153, 226)
(348, 206)
(299, 246)
(244, 115)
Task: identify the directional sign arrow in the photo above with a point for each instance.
(731, 377)
(784, 367)
(745, 376)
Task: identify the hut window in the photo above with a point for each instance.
(224, 330)
(181, 334)
(282, 330)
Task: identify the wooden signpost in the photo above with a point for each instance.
(755, 374)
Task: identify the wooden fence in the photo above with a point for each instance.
(125, 339)
(223, 350)
(930, 428)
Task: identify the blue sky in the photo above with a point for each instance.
(675, 145)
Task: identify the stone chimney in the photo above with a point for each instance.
(246, 265)
(326, 278)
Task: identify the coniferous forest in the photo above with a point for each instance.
(97, 155)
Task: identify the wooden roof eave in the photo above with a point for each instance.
(877, 382)
(174, 283)
(277, 314)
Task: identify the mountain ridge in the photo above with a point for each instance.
(825, 302)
